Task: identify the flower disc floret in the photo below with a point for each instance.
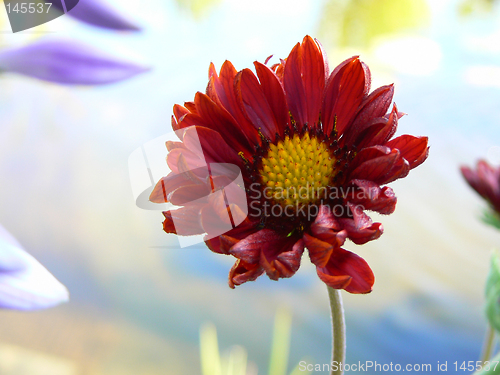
(297, 170)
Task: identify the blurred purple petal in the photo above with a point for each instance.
(31, 287)
(98, 13)
(69, 62)
(9, 261)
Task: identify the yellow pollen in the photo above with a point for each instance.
(297, 170)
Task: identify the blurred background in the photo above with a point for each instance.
(138, 300)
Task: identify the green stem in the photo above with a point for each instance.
(488, 344)
(338, 328)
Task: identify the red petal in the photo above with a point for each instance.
(343, 95)
(227, 242)
(243, 272)
(180, 111)
(224, 88)
(379, 130)
(334, 281)
(186, 194)
(166, 185)
(213, 244)
(313, 79)
(370, 130)
(374, 105)
(320, 251)
(218, 119)
(279, 69)
(488, 176)
(377, 168)
(372, 197)
(279, 255)
(360, 228)
(212, 93)
(471, 177)
(282, 259)
(348, 271)
(183, 221)
(273, 91)
(485, 180)
(249, 92)
(212, 72)
(171, 145)
(327, 234)
(213, 221)
(304, 82)
(168, 224)
(211, 87)
(325, 59)
(386, 132)
(294, 90)
(173, 122)
(400, 170)
(191, 107)
(382, 169)
(229, 239)
(324, 222)
(368, 78)
(248, 249)
(232, 237)
(369, 153)
(180, 160)
(413, 149)
(213, 146)
(190, 119)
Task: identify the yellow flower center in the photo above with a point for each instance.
(297, 170)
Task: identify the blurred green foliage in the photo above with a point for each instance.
(493, 292)
(236, 362)
(357, 23)
(491, 217)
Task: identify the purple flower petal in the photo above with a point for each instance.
(30, 286)
(98, 13)
(9, 261)
(69, 62)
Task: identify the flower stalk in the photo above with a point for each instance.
(488, 344)
(338, 331)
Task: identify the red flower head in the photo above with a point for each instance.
(485, 180)
(313, 148)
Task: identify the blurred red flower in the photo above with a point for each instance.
(485, 180)
(313, 148)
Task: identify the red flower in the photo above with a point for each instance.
(313, 148)
(485, 180)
